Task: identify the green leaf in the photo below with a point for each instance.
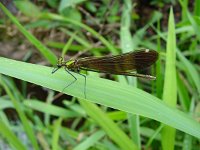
(79, 24)
(68, 3)
(194, 24)
(112, 130)
(71, 13)
(56, 133)
(197, 8)
(10, 136)
(110, 93)
(170, 85)
(190, 70)
(43, 49)
(28, 8)
(125, 35)
(15, 100)
(50, 109)
(127, 46)
(90, 141)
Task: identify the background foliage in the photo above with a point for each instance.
(133, 113)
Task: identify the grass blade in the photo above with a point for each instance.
(90, 141)
(56, 133)
(111, 94)
(170, 86)
(44, 50)
(127, 46)
(112, 130)
(79, 24)
(27, 127)
(11, 138)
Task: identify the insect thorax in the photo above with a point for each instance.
(71, 65)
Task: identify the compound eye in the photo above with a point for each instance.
(60, 60)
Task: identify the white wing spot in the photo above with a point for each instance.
(146, 50)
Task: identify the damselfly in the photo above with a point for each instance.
(124, 64)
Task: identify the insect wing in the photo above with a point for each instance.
(136, 60)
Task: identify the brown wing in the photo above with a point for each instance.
(127, 62)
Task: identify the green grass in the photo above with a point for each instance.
(127, 117)
(170, 94)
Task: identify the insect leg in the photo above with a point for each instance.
(139, 75)
(84, 84)
(54, 70)
(72, 76)
(145, 76)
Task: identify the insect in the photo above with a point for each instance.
(124, 64)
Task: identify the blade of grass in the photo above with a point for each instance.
(154, 135)
(10, 137)
(110, 93)
(43, 49)
(183, 94)
(190, 70)
(90, 141)
(159, 77)
(5, 104)
(56, 133)
(67, 45)
(184, 4)
(194, 25)
(187, 142)
(78, 39)
(28, 8)
(49, 100)
(50, 109)
(96, 34)
(125, 35)
(112, 130)
(170, 85)
(197, 8)
(127, 46)
(27, 127)
(43, 141)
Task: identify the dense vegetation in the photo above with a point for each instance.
(38, 112)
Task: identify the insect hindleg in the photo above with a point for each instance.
(75, 80)
(72, 76)
(84, 84)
